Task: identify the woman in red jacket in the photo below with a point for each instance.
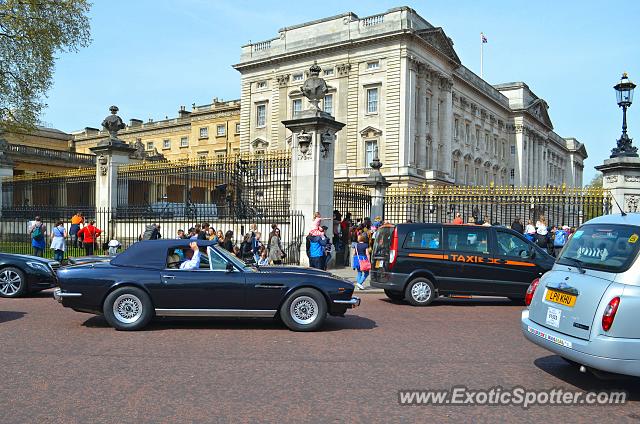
(89, 235)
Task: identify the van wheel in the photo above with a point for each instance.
(420, 292)
(394, 295)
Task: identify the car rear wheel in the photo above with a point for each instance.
(304, 310)
(128, 308)
(12, 282)
(420, 292)
(394, 295)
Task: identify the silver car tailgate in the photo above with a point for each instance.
(584, 293)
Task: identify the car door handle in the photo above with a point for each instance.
(269, 286)
(169, 277)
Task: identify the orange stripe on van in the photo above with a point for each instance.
(518, 263)
(428, 256)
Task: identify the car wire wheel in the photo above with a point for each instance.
(10, 283)
(127, 308)
(304, 310)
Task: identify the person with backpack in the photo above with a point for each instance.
(89, 234)
(151, 232)
(38, 233)
(560, 239)
(246, 248)
(58, 241)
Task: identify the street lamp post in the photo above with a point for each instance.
(624, 94)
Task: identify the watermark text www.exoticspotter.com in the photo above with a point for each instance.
(519, 396)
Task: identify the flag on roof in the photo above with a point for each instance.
(483, 38)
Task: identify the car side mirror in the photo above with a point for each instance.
(230, 267)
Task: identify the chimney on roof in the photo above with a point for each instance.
(133, 122)
(183, 113)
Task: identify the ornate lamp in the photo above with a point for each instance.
(624, 95)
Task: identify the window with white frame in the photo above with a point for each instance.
(371, 151)
(296, 106)
(456, 129)
(261, 115)
(513, 150)
(149, 145)
(427, 111)
(466, 173)
(373, 65)
(327, 104)
(328, 72)
(372, 100)
(476, 175)
(298, 77)
(237, 127)
(184, 142)
(495, 145)
(503, 154)
(467, 133)
(454, 170)
(221, 130)
(204, 132)
(477, 138)
(166, 144)
(261, 84)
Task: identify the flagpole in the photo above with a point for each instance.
(481, 54)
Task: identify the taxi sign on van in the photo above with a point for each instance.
(633, 238)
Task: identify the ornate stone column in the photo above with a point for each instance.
(378, 184)
(312, 158)
(447, 131)
(621, 176)
(421, 144)
(433, 123)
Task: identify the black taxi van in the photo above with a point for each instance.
(419, 262)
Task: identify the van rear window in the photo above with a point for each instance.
(382, 243)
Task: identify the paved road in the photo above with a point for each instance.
(63, 366)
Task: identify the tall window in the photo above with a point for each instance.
(220, 130)
(149, 145)
(456, 128)
(296, 106)
(184, 142)
(467, 133)
(237, 127)
(372, 100)
(495, 145)
(427, 112)
(486, 178)
(512, 173)
(477, 138)
(454, 170)
(466, 173)
(371, 151)
(513, 150)
(204, 132)
(476, 176)
(504, 150)
(328, 104)
(166, 144)
(261, 115)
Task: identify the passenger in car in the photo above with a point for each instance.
(192, 257)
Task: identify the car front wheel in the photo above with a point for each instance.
(128, 308)
(304, 310)
(12, 282)
(420, 292)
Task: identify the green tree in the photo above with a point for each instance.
(32, 32)
(596, 182)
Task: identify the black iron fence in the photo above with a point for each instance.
(496, 205)
(352, 198)
(15, 223)
(74, 187)
(238, 186)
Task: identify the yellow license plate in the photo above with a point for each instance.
(560, 297)
(379, 264)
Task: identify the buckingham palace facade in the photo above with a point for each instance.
(398, 84)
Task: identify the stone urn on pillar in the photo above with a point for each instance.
(110, 153)
(378, 184)
(312, 157)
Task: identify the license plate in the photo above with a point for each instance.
(560, 298)
(379, 264)
(553, 317)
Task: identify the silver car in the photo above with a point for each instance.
(587, 308)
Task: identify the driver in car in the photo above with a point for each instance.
(192, 257)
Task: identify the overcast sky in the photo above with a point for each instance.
(149, 57)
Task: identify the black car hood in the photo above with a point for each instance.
(29, 258)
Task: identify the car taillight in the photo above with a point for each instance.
(531, 291)
(610, 313)
(393, 249)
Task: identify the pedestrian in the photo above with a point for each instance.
(77, 221)
(458, 219)
(345, 227)
(560, 239)
(113, 247)
(315, 248)
(361, 261)
(530, 231)
(151, 232)
(212, 235)
(256, 245)
(220, 237)
(181, 235)
(276, 254)
(89, 234)
(263, 260)
(516, 225)
(542, 233)
(274, 227)
(472, 220)
(328, 250)
(58, 241)
(38, 233)
(227, 243)
(203, 233)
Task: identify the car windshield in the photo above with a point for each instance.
(602, 247)
(233, 259)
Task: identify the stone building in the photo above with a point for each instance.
(398, 84)
(205, 131)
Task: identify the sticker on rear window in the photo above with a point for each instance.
(633, 238)
(578, 234)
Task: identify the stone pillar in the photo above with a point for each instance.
(312, 168)
(109, 155)
(434, 122)
(621, 176)
(378, 184)
(447, 136)
(421, 157)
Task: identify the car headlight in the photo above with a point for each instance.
(39, 266)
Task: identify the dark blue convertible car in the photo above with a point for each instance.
(146, 281)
